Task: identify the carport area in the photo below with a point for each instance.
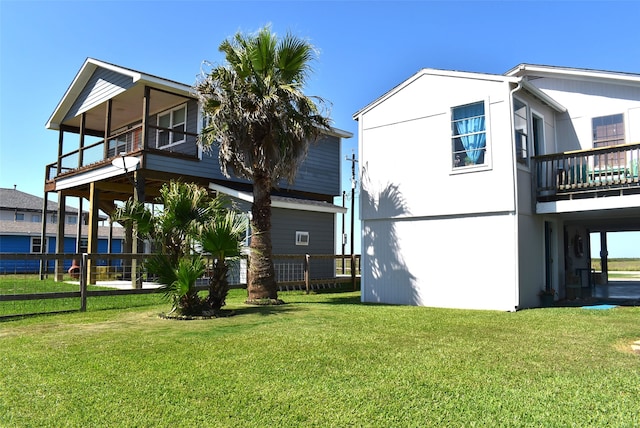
(596, 246)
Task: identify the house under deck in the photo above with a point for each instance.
(591, 191)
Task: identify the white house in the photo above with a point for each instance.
(480, 190)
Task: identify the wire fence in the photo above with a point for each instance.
(48, 283)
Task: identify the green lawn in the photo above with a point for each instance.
(322, 360)
(618, 264)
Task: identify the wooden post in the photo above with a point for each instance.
(136, 242)
(353, 271)
(60, 148)
(94, 196)
(83, 119)
(43, 236)
(307, 273)
(145, 119)
(83, 282)
(59, 264)
(107, 128)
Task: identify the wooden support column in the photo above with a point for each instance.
(110, 241)
(94, 199)
(59, 265)
(145, 118)
(79, 229)
(604, 257)
(137, 245)
(83, 129)
(43, 235)
(107, 128)
(60, 148)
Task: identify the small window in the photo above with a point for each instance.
(469, 136)
(19, 217)
(172, 126)
(36, 218)
(302, 238)
(36, 246)
(72, 219)
(521, 129)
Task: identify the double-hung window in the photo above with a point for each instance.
(469, 135)
(521, 129)
(608, 131)
(172, 125)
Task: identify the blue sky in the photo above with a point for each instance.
(366, 48)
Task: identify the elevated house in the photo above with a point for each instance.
(481, 190)
(21, 222)
(125, 133)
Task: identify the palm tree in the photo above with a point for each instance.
(222, 240)
(262, 124)
(189, 219)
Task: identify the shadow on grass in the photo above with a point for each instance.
(265, 310)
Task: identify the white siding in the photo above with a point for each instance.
(413, 151)
(467, 262)
(585, 100)
(433, 236)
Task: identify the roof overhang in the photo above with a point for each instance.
(87, 70)
(435, 72)
(282, 202)
(525, 70)
(542, 96)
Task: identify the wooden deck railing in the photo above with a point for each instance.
(606, 168)
(127, 141)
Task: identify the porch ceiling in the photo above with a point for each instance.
(612, 220)
(127, 108)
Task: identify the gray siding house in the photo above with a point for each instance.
(112, 114)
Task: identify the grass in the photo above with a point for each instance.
(618, 264)
(29, 284)
(322, 360)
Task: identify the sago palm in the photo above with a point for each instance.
(221, 239)
(262, 123)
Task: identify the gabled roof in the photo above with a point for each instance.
(526, 70)
(282, 202)
(466, 75)
(434, 72)
(86, 71)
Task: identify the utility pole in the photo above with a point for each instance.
(343, 237)
(353, 201)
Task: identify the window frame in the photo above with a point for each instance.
(617, 160)
(302, 238)
(487, 164)
(39, 244)
(171, 126)
(522, 151)
(18, 216)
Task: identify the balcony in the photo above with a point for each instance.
(604, 171)
(127, 141)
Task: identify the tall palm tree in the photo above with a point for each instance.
(262, 124)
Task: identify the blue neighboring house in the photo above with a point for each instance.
(21, 219)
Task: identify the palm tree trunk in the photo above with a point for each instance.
(262, 281)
